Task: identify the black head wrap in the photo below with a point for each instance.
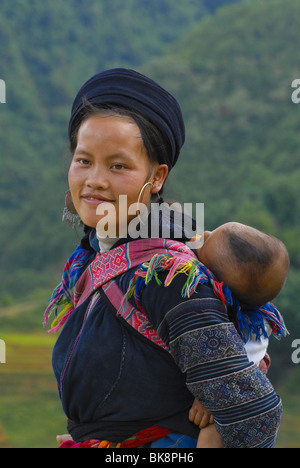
(134, 91)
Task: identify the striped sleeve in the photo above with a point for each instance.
(208, 350)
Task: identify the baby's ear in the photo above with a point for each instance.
(196, 244)
(206, 235)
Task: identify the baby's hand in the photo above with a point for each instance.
(199, 415)
(209, 438)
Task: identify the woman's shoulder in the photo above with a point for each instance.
(180, 288)
(161, 285)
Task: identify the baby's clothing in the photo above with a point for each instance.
(256, 350)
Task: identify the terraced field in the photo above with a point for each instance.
(30, 411)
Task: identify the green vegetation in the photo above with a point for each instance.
(241, 157)
(231, 69)
(30, 412)
(47, 50)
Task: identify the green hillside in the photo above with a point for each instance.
(47, 50)
(230, 64)
(233, 76)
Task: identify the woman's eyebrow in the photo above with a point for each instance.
(119, 155)
(83, 151)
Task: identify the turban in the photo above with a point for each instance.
(134, 91)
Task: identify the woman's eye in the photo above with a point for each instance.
(83, 162)
(118, 166)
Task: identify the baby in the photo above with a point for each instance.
(254, 266)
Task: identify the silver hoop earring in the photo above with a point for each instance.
(140, 197)
(70, 215)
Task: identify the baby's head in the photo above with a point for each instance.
(254, 265)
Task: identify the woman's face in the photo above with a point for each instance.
(110, 160)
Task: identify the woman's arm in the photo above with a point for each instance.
(208, 350)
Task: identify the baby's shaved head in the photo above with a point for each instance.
(255, 265)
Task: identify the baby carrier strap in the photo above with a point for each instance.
(134, 319)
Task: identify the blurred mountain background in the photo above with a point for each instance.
(231, 65)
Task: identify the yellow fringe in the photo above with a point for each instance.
(60, 315)
(185, 269)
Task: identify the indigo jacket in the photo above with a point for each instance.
(113, 383)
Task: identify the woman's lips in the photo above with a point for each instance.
(95, 200)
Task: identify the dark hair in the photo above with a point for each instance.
(258, 255)
(249, 253)
(158, 147)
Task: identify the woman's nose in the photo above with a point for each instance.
(97, 179)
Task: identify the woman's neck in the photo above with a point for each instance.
(105, 244)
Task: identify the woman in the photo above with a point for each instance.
(145, 331)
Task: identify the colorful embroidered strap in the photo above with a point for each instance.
(79, 283)
(137, 440)
(250, 320)
(134, 317)
(64, 292)
(152, 256)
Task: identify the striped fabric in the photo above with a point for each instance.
(209, 351)
(195, 329)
